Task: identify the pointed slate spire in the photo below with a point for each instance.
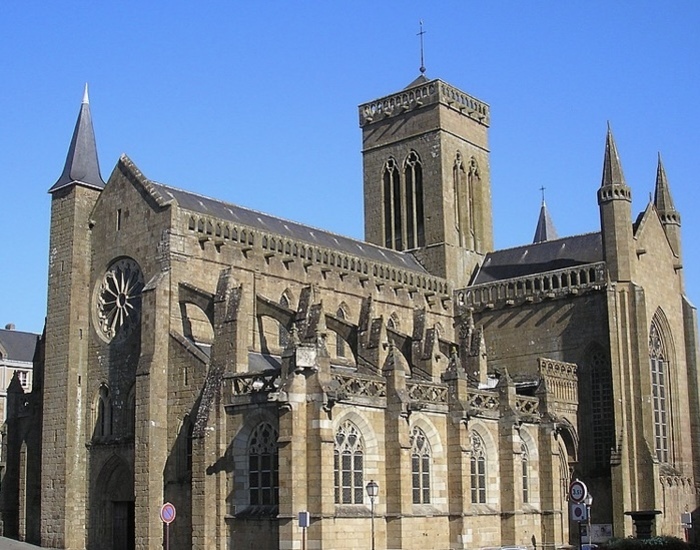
(545, 226)
(82, 166)
(662, 192)
(612, 169)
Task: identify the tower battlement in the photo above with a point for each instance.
(430, 92)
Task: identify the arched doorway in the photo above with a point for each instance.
(112, 507)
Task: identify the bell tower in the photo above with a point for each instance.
(426, 176)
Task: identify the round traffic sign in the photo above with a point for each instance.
(167, 513)
(578, 491)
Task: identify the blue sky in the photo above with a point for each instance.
(256, 103)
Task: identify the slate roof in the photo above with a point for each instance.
(18, 346)
(82, 166)
(540, 258)
(293, 230)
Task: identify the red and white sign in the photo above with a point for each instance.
(578, 491)
(167, 513)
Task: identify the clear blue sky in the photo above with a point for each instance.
(256, 103)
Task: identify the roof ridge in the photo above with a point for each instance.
(286, 220)
(527, 245)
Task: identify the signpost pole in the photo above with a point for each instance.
(167, 516)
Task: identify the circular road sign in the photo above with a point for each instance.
(167, 513)
(578, 491)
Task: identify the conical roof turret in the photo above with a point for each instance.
(612, 186)
(82, 166)
(662, 192)
(612, 168)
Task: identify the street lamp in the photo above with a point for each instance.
(372, 492)
(588, 501)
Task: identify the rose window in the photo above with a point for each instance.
(119, 299)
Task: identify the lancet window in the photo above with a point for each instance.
(103, 419)
(478, 469)
(420, 466)
(393, 229)
(603, 424)
(349, 464)
(525, 471)
(403, 203)
(413, 172)
(659, 392)
(263, 473)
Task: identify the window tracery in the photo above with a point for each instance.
(349, 464)
(420, 466)
(263, 465)
(659, 373)
(478, 469)
(525, 471)
(119, 299)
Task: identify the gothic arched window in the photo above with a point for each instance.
(478, 469)
(420, 466)
(525, 471)
(393, 229)
(103, 418)
(413, 172)
(603, 424)
(263, 459)
(348, 464)
(659, 389)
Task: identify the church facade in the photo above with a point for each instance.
(247, 368)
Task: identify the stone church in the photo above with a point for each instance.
(246, 368)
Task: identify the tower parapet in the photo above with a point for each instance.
(424, 92)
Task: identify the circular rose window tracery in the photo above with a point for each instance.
(119, 299)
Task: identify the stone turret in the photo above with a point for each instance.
(615, 202)
(669, 216)
(73, 198)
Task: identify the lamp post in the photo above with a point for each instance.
(588, 501)
(372, 491)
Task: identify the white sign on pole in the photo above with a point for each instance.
(578, 491)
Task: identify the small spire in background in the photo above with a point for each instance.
(420, 34)
(542, 189)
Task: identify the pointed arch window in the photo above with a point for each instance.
(263, 465)
(103, 420)
(349, 464)
(478, 469)
(525, 471)
(413, 173)
(283, 333)
(393, 228)
(420, 466)
(602, 412)
(659, 388)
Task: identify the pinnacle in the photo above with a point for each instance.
(662, 192)
(612, 168)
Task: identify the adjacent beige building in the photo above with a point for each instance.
(246, 368)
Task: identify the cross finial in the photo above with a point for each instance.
(421, 33)
(542, 189)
